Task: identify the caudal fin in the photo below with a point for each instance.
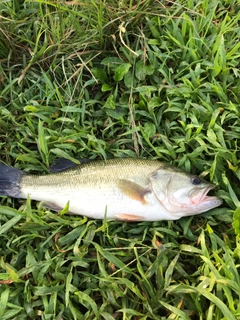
(10, 180)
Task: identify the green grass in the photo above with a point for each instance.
(103, 79)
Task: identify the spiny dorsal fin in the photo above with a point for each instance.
(132, 190)
(62, 164)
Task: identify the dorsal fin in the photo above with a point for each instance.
(62, 164)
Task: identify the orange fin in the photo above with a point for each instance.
(129, 217)
(132, 190)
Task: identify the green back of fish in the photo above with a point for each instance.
(94, 174)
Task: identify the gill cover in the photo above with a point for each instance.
(180, 192)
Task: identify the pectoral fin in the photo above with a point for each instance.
(133, 190)
(128, 217)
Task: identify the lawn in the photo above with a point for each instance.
(97, 79)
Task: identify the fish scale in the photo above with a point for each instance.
(125, 189)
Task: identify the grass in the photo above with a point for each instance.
(102, 79)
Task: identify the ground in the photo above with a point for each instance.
(103, 79)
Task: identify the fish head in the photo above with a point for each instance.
(182, 194)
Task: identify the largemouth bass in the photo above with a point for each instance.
(123, 189)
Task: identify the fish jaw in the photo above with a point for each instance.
(202, 202)
(209, 203)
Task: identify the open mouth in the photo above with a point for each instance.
(205, 196)
(197, 197)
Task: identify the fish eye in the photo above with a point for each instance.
(196, 181)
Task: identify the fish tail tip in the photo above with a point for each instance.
(10, 179)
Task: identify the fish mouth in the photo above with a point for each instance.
(204, 198)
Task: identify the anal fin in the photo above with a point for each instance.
(52, 206)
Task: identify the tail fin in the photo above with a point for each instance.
(10, 180)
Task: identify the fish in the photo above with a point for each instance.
(124, 189)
